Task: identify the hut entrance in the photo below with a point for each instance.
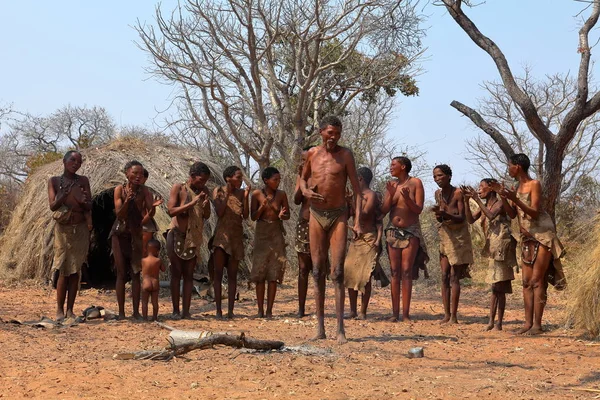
(100, 272)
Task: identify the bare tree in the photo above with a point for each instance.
(29, 138)
(555, 145)
(552, 97)
(258, 74)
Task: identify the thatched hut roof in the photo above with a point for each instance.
(26, 248)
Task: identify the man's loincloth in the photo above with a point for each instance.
(71, 244)
(302, 241)
(360, 261)
(399, 238)
(268, 256)
(327, 218)
(455, 243)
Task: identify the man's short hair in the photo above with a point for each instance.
(69, 153)
(330, 120)
(132, 163)
(199, 168)
(230, 171)
(404, 161)
(444, 168)
(366, 174)
(154, 243)
(269, 172)
(522, 160)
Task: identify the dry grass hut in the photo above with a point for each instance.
(583, 292)
(26, 247)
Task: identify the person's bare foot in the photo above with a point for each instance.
(230, 315)
(362, 316)
(300, 314)
(524, 329)
(60, 315)
(406, 318)
(445, 320)
(145, 319)
(393, 318)
(352, 315)
(121, 317)
(137, 316)
(260, 314)
(269, 315)
(535, 330)
(176, 316)
(71, 314)
(489, 327)
(219, 315)
(320, 335)
(341, 338)
(453, 320)
(498, 327)
(186, 316)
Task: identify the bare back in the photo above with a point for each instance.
(401, 215)
(151, 267)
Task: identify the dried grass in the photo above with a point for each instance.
(583, 276)
(26, 248)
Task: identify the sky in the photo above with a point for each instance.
(54, 53)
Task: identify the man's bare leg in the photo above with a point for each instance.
(154, 305)
(260, 298)
(304, 268)
(408, 259)
(493, 306)
(319, 250)
(188, 284)
(72, 294)
(365, 301)
(145, 296)
(446, 271)
(527, 273)
(121, 269)
(396, 271)
(337, 245)
(219, 260)
(135, 294)
(271, 292)
(353, 298)
(232, 272)
(539, 285)
(61, 294)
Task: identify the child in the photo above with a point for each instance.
(269, 207)
(231, 206)
(499, 244)
(151, 267)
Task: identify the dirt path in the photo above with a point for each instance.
(460, 361)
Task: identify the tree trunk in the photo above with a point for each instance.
(552, 179)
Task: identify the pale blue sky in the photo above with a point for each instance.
(55, 53)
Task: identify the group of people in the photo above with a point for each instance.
(321, 237)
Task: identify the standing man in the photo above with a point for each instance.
(188, 207)
(70, 201)
(133, 200)
(329, 167)
(406, 247)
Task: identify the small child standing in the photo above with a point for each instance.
(151, 267)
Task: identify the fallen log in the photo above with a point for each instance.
(184, 346)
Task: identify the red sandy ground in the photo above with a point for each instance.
(460, 361)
